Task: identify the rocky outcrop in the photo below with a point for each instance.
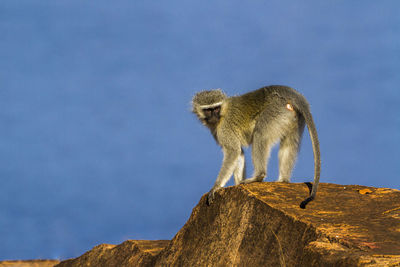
(129, 253)
(261, 224)
(29, 263)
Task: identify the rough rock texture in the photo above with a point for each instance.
(29, 263)
(129, 253)
(261, 224)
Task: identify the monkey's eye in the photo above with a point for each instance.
(207, 112)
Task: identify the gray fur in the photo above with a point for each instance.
(259, 118)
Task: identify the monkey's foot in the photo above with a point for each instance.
(283, 180)
(210, 197)
(252, 180)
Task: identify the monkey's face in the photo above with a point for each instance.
(211, 115)
(207, 106)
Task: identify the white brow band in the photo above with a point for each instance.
(211, 106)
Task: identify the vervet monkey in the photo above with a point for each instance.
(259, 118)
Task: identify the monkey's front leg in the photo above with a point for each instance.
(240, 171)
(229, 163)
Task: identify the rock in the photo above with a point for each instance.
(261, 224)
(129, 253)
(29, 263)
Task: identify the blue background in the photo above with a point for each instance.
(97, 142)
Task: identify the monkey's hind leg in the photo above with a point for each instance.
(288, 149)
(240, 171)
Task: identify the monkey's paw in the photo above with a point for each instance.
(210, 197)
(245, 181)
(252, 180)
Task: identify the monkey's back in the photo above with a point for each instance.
(248, 106)
(245, 109)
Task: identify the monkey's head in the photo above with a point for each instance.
(207, 106)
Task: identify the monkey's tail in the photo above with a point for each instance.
(304, 109)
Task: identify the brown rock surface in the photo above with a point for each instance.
(129, 253)
(261, 224)
(29, 263)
